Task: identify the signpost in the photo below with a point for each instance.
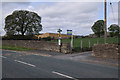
(69, 32)
(59, 40)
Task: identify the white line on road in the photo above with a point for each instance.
(3, 56)
(63, 75)
(25, 63)
(13, 51)
(46, 55)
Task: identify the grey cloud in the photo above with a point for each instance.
(65, 15)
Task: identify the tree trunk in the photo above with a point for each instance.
(99, 35)
(22, 33)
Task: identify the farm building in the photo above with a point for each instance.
(52, 35)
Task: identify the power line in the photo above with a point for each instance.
(112, 10)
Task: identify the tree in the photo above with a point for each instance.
(23, 22)
(114, 30)
(98, 28)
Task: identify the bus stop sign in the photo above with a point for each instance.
(69, 32)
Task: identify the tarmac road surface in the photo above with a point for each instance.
(23, 65)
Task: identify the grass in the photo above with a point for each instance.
(85, 41)
(16, 48)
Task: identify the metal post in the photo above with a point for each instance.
(71, 41)
(81, 44)
(59, 42)
(60, 45)
(97, 42)
(105, 24)
(89, 44)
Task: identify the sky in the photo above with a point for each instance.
(76, 16)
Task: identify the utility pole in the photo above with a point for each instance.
(105, 24)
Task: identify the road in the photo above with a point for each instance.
(24, 65)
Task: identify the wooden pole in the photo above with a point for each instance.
(89, 43)
(105, 24)
(71, 41)
(81, 44)
(97, 42)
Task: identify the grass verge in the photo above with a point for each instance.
(16, 48)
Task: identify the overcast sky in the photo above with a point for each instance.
(76, 16)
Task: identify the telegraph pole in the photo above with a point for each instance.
(105, 24)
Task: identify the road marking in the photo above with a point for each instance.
(36, 54)
(14, 51)
(25, 63)
(3, 56)
(64, 75)
(46, 55)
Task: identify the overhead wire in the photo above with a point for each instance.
(112, 11)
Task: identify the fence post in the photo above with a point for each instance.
(81, 44)
(97, 42)
(89, 44)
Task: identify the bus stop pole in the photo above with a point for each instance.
(71, 43)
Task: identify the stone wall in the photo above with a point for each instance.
(106, 50)
(39, 45)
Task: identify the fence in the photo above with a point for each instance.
(86, 44)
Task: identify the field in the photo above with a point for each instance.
(86, 42)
